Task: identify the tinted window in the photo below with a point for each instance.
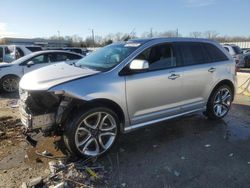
(215, 53)
(193, 53)
(57, 57)
(73, 56)
(61, 57)
(40, 59)
(159, 57)
(19, 53)
(34, 48)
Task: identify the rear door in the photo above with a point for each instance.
(155, 93)
(200, 64)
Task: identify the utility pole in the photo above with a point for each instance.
(58, 33)
(151, 32)
(93, 37)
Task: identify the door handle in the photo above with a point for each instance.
(212, 69)
(173, 76)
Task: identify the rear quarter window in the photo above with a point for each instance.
(214, 53)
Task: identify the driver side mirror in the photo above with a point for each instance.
(136, 66)
(139, 65)
(30, 63)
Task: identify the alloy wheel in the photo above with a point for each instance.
(96, 133)
(10, 84)
(222, 102)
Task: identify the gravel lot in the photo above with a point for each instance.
(188, 152)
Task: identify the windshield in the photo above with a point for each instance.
(108, 57)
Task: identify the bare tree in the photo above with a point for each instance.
(211, 34)
(195, 34)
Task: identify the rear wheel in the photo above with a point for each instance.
(10, 84)
(219, 102)
(92, 133)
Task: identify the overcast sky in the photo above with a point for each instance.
(44, 18)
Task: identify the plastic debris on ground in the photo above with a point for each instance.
(82, 173)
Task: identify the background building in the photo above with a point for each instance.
(35, 41)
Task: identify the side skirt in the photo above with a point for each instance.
(136, 126)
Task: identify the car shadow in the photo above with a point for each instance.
(4, 95)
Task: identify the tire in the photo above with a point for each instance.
(219, 102)
(87, 131)
(9, 84)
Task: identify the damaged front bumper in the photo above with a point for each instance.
(38, 110)
(32, 122)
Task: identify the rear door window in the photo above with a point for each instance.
(193, 53)
(61, 57)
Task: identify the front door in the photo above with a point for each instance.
(155, 93)
(38, 62)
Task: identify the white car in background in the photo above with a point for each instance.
(236, 52)
(10, 73)
(9, 53)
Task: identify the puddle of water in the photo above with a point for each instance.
(236, 129)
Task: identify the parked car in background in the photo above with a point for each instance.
(9, 53)
(247, 60)
(10, 73)
(86, 52)
(125, 86)
(70, 49)
(245, 50)
(236, 52)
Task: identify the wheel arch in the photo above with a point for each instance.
(223, 82)
(10, 75)
(100, 102)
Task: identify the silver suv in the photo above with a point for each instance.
(125, 86)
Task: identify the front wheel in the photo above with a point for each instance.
(219, 102)
(92, 133)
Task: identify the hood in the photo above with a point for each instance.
(52, 75)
